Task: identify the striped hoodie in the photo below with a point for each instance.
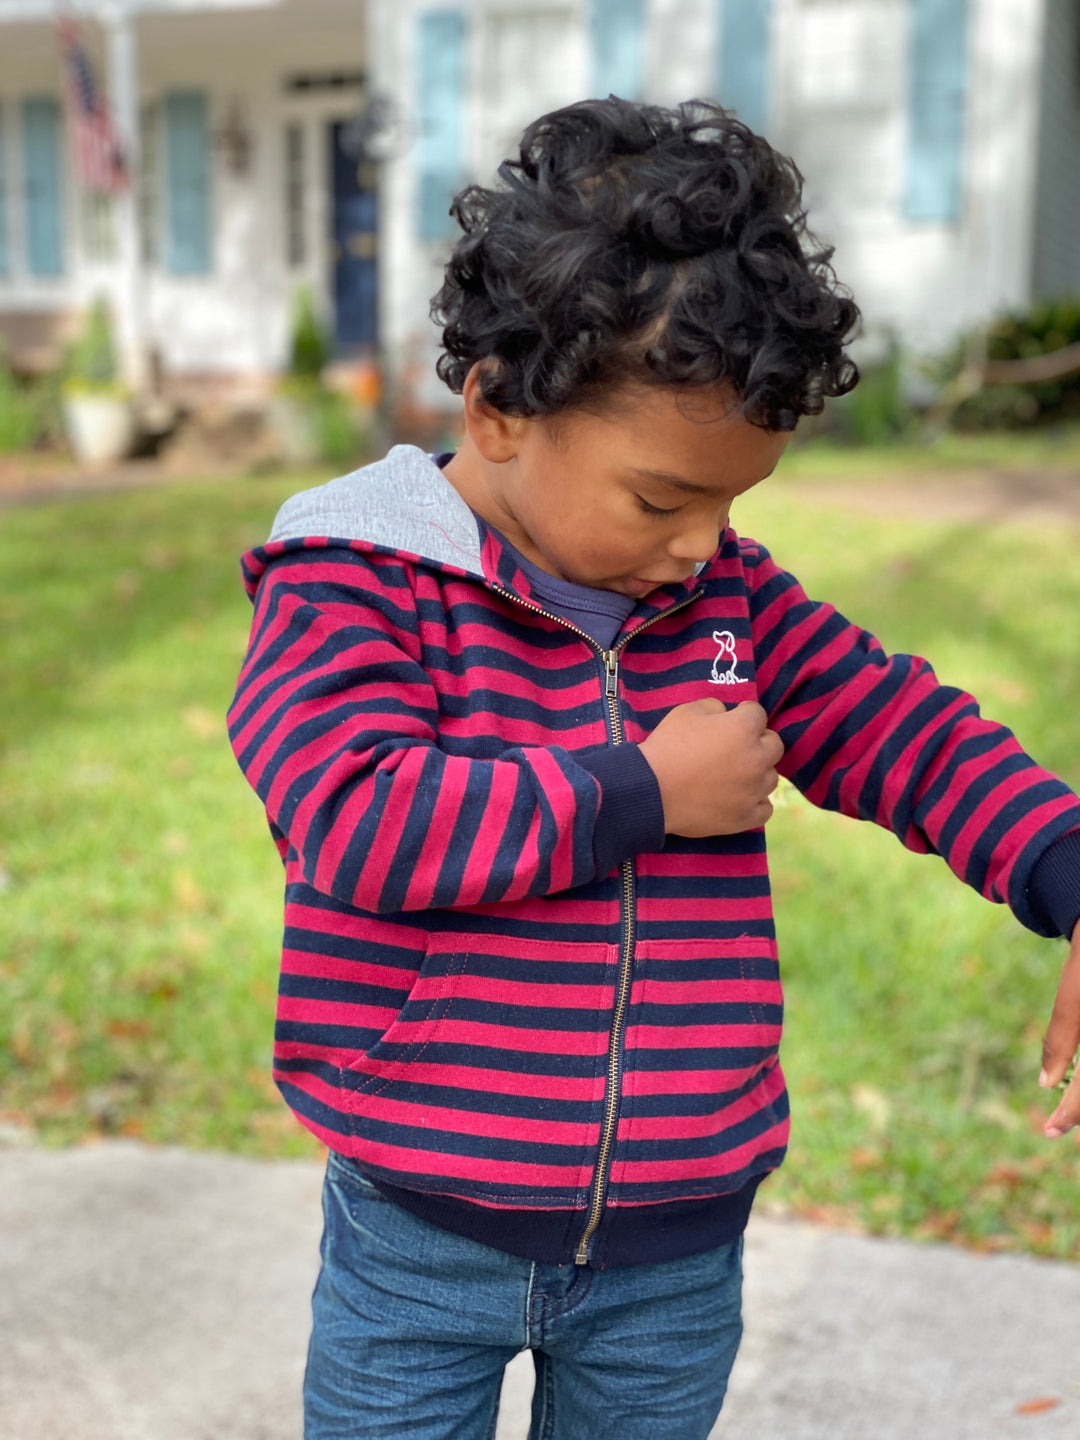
(524, 1014)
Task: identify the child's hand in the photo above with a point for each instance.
(716, 767)
(1061, 1044)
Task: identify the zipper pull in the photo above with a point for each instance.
(611, 678)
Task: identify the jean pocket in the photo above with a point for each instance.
(340, 1170)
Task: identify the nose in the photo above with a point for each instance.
(698, 541)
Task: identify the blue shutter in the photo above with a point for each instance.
(618, 48)
(42, 186)
(187, 184)
(5, 259)
(440, 108)
(937, 93)
(742, 79)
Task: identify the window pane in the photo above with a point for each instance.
(42, 186)
(618, 38)
(440, 104)
(187, 164)
(938, 96)
(743, 79)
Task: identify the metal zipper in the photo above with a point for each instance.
(622, 997)
(610, 659)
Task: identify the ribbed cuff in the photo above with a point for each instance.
(631, 816)
(1054, 888)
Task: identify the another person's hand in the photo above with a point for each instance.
(1061, 1044)
(716, 767)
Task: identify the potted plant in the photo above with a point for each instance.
(296, 398)
(98, 414)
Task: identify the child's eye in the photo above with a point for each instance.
(655, 509)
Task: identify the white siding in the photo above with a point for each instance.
(843, 118)
(525, 57)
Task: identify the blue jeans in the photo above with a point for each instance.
(413, 1327)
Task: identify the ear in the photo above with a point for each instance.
(494, 434)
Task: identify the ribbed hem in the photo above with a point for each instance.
(631, 816)
(628, 1234)
(1054, 888)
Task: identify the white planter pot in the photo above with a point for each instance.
(101, 428)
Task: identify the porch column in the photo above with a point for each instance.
(118, 19)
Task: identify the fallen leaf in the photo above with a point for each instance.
(127, 585)
(203, 723)
(186, 891)
(997, 1112)
(125, 1028)
(160, 557)
(871, 1103)
(1006, 1174)
(1038, 1405)
(1004, 687)
(938, 1225)
(1038, 1232)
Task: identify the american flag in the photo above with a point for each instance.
(98, 153)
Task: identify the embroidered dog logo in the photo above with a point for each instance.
(726, 656)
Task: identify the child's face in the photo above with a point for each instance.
(626, 500)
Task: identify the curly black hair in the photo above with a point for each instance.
(635, 244)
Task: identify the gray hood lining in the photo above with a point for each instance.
(403, 502)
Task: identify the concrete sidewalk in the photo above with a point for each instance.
(161, 1295)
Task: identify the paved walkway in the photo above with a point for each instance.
(161, 1295)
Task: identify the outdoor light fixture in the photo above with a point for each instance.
(234, 139)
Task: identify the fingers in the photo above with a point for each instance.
(1067, 1113)
(1061, 1043)
(774, 747)
(751, 714)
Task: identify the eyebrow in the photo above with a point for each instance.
(675, 481)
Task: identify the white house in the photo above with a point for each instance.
(939, 139)
(245, 190)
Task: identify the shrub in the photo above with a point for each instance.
(91, 361)
(29, 412)
(309, 348)
(876, 411)
(339, 437)
(1046, 326)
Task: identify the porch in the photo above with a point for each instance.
(246, 187)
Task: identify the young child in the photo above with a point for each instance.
(515, 715)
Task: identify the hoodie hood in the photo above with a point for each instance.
(405, 505)
(402, 503)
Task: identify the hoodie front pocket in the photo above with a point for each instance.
(489, 1084)
(708, 1011)
(702, 1089)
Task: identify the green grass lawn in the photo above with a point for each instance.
(1042, 448)
(140, 893)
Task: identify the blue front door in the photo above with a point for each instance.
(355, 246)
